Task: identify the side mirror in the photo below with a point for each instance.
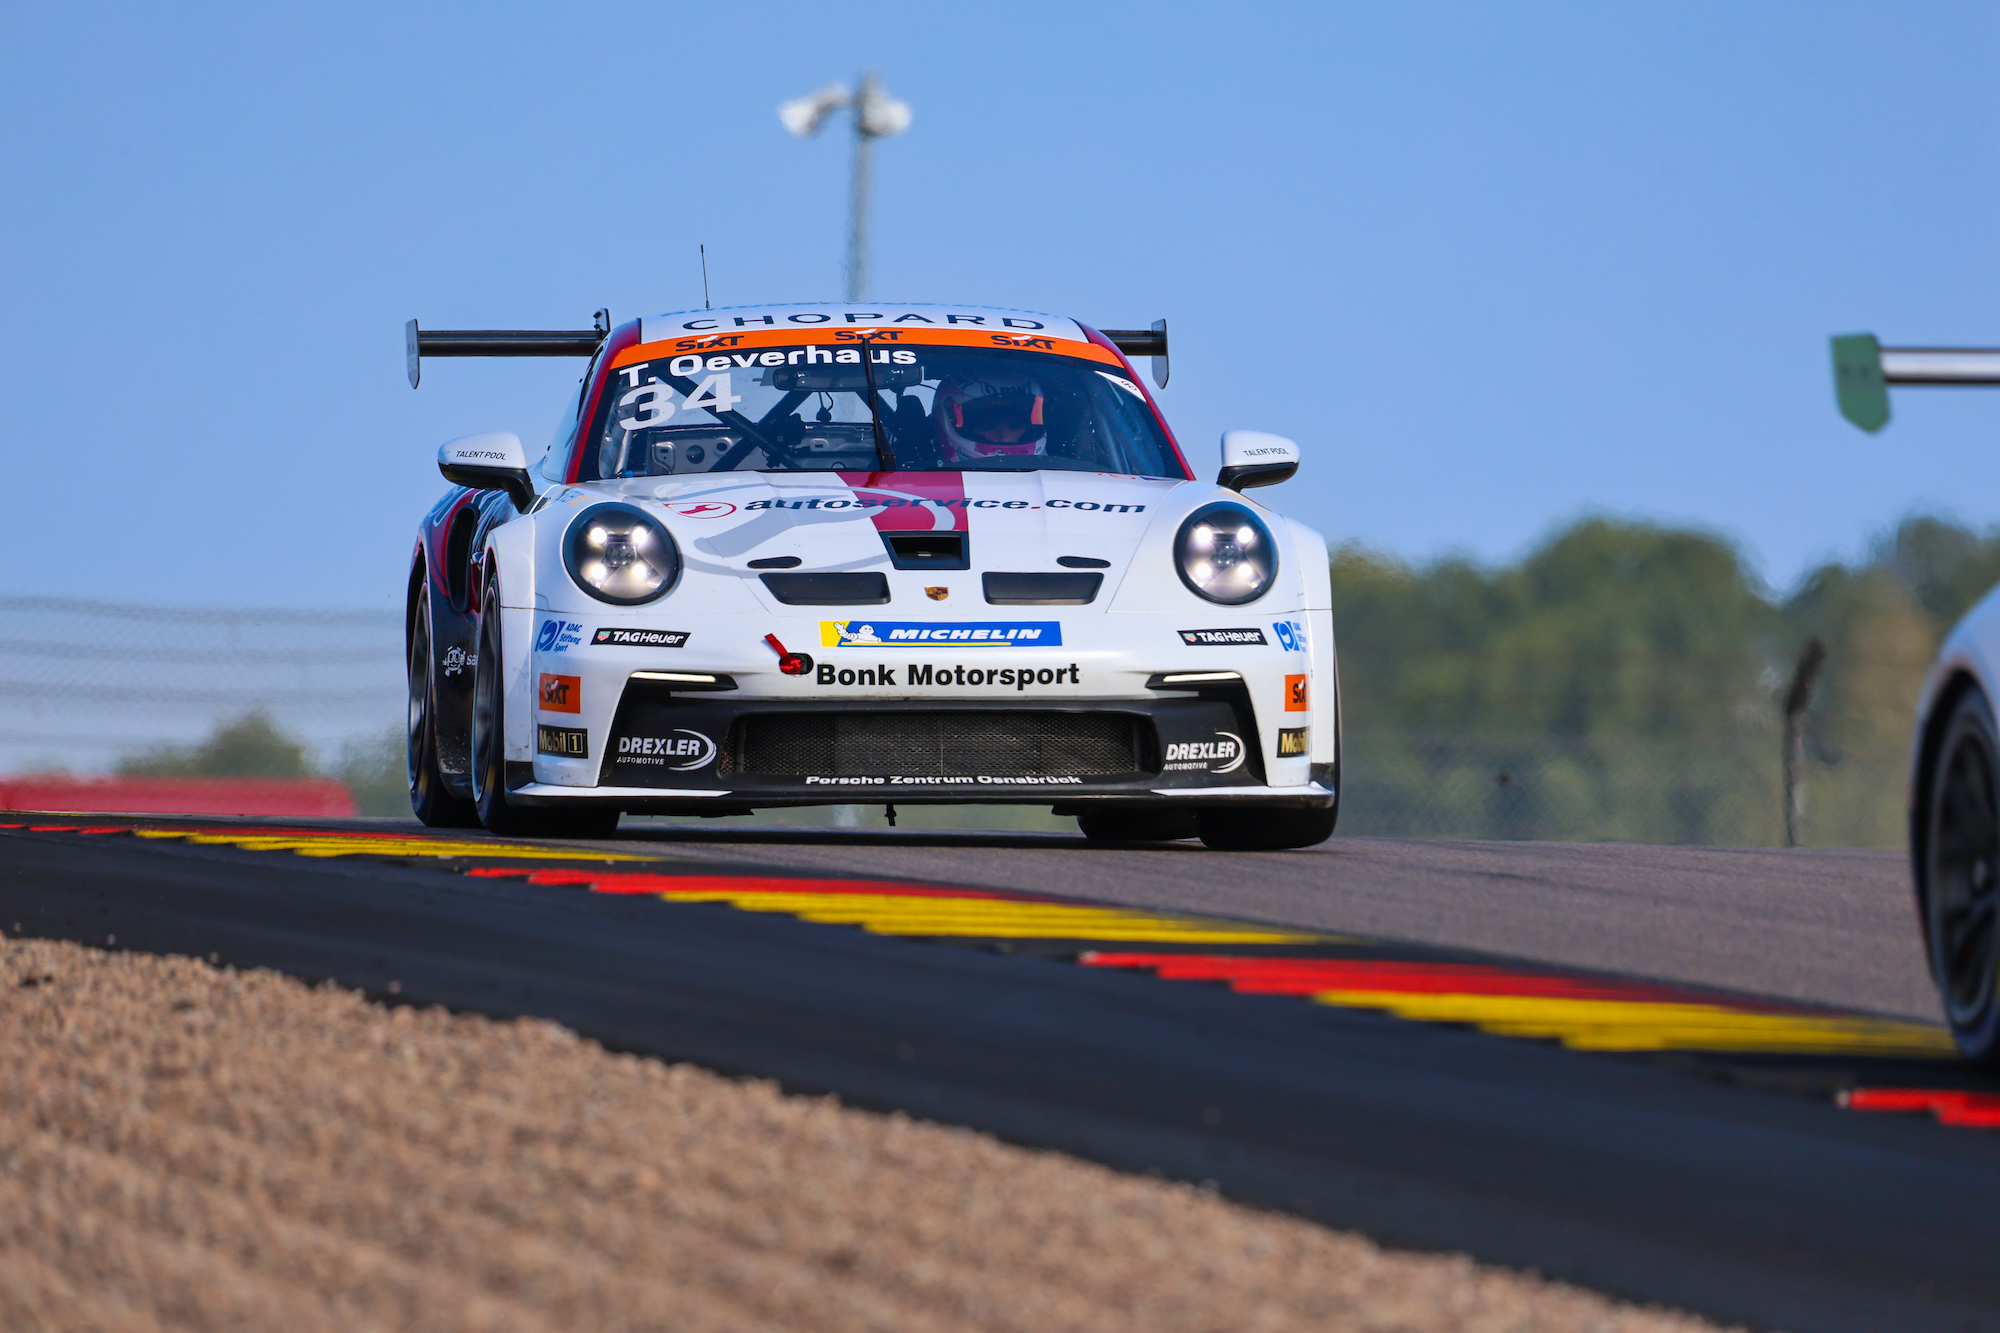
(1253, 458)
(494, 461)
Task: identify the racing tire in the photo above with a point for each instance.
(1226, 830)
(489, 753)
(1961, 877)
(430, 799)
(1138, 825)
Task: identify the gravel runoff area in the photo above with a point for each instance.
(186, 1146)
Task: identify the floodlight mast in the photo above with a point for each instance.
(876, 115)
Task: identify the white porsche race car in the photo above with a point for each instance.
(800, 555)
(1955, 829)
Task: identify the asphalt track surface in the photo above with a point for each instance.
(1668, 1145)
(1822, 927)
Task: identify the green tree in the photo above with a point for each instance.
(1622, 682)
(1610, 685)
(251, 746)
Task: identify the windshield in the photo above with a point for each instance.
(805, 406)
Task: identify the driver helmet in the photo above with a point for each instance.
(993, 414)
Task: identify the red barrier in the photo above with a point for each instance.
(282, 797)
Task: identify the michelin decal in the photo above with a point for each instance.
(940, 633)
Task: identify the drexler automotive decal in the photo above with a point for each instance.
(940, 633)
(679, 750)
(1226, 750)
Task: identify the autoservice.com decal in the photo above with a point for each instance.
(940, 633)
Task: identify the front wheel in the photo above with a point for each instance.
(430, 798)
(489, 752)
(1252, 830)
(1961, 877)
(1138, 825)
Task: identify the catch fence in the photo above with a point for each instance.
(85, 684)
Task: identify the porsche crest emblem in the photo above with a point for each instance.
(937, 594)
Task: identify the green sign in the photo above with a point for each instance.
(1857, 381)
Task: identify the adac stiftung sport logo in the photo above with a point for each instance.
(940, 633)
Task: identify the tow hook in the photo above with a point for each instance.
(792, 664)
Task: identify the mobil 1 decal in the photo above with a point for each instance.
(562, 742)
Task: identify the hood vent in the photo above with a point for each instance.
(855, 589)
(1037, 589)
(928, 550)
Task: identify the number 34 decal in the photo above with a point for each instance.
(654, 401)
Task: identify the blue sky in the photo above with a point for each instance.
(1494, 266)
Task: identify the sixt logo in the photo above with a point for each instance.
(558, 636)
(1291, 635)
(940, 633)
(562, 694)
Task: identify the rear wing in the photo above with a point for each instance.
(1144, 342)
(1863, 370)
(420, 343)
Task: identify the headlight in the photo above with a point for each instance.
(617, 554)
(1226, 554)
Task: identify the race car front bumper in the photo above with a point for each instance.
(657, 729)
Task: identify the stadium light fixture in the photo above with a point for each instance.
(875, 115)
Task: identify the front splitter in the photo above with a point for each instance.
(661, 801)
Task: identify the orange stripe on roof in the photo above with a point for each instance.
(723, 343)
